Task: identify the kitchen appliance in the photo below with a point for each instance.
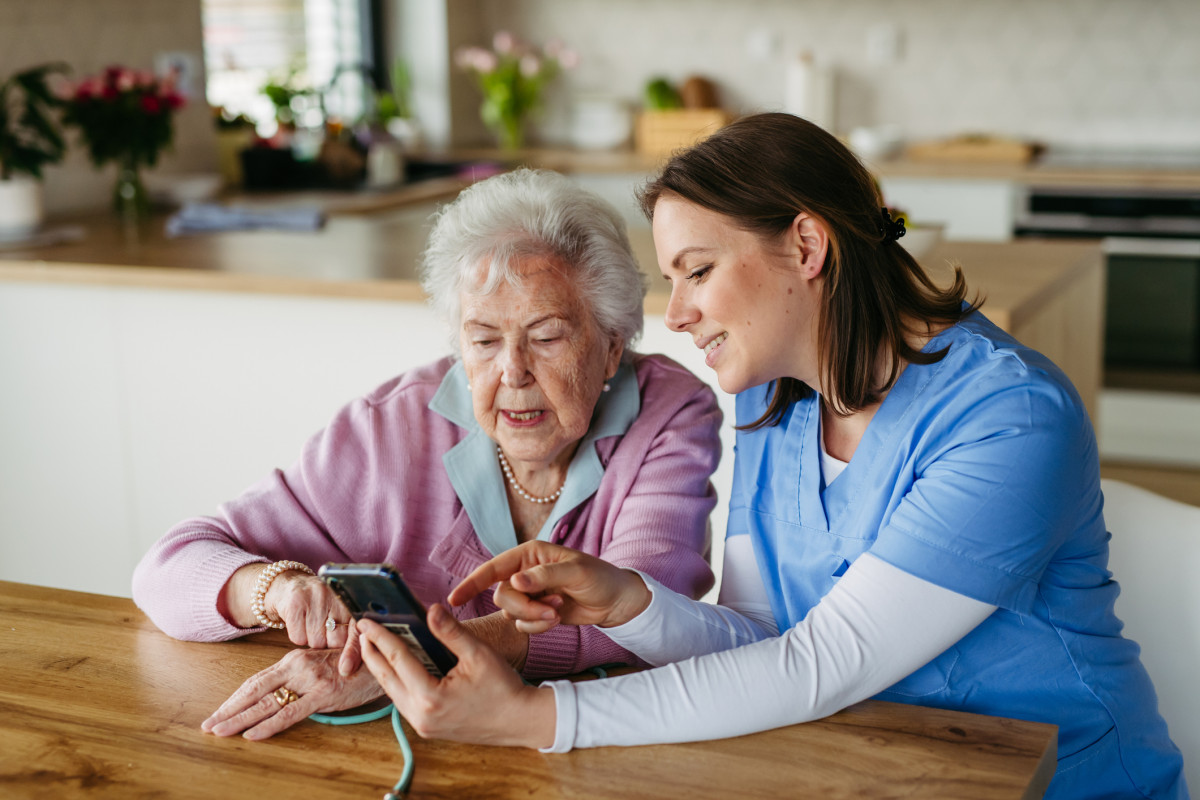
(1151, 240)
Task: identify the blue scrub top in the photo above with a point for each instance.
(978, 473)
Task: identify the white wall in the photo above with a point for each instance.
(1084, 72)
(127, 410)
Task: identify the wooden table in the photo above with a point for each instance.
(95, 701)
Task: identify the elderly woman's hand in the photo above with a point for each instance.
(311, 675)
(481, 700)
(302, 602)
(542, 584)
(306, 605)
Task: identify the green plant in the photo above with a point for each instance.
(283, 91)
(660, 95)
(511, 77)
(395, 103)
(29, 135)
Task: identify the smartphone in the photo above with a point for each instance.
(377, 592)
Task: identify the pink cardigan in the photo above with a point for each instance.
(371, 487)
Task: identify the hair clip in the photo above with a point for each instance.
(890, 229)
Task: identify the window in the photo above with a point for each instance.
(313, 51)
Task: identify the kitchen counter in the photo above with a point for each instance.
(1039, 172)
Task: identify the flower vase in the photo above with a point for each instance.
(511, 132)
(130, 200)
(504, 121)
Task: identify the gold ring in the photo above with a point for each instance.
(331, 624)
(284, 695)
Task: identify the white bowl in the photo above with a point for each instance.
(601, 122)
(181, 188)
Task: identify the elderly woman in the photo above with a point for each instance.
(544, 427)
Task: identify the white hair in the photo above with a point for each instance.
(493, 223)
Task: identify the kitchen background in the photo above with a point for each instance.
(1073, 72)
(1078, 74)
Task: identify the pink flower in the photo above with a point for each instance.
(126, 80)
(464, 57)
(504, 42)
(146, 79)
(485, 61)
(151, 104)
(530, 65)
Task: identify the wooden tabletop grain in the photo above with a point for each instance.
(97, 702)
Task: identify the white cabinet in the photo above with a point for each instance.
(125, 410)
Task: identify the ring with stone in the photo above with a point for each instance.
(331, 624)
(284, 695)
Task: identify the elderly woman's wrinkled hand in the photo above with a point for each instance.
(540, 585)
(303, 682)
(307, 606)
(482, 700)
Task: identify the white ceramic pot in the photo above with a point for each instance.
(20, 206)
(601, 122)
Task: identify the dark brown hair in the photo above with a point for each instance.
(763, 170)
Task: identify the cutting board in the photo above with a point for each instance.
(975, 149)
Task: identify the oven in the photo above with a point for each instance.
(1151, 241)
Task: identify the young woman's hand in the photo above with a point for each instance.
(312, 675)
(482, 700)
(542, 584)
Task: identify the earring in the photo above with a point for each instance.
(606, 387)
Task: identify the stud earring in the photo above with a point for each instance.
(606, 387)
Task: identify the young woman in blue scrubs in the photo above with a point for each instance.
(916, 510)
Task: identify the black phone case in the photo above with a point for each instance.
(377, 592)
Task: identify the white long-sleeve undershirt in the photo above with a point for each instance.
(727, 673)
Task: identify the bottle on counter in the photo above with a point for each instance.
(809, 90)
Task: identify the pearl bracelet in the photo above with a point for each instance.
(259, 603)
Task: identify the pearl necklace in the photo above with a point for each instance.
(512, 481)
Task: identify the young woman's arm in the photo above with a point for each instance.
(876, 626)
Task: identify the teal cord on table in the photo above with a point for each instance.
(402, 785)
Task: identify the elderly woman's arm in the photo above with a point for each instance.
(657, 521)
(197, 581)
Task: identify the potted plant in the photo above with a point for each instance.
(30, 139)
(511, 77)
(394, 108)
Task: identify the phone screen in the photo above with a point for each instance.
(377, 592)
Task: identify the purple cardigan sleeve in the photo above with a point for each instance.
(652, 507)
(306, 513)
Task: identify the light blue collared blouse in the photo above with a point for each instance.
(474, 470)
